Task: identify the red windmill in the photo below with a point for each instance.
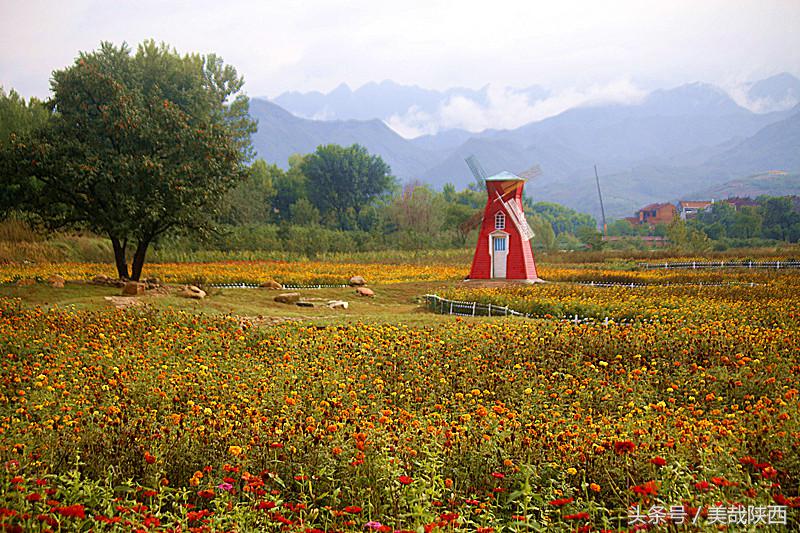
(504, 248)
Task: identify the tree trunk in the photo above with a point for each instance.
(119, 257)
(138, 259)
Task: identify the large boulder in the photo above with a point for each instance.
(271, 284)
(133, 288)
(357, 281)
(26, 282)
(288, 298)
(56, 281)
(363, 291)
(338, 304)
(192, 291)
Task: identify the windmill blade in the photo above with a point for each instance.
(531, 173)
(471, 223)
(518, 218)
(476, 168)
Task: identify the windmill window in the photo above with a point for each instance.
(500, 221)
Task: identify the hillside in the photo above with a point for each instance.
(281, 134)
(771, 184)
(690, 138)
(776, 146)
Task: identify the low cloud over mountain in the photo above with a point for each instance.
(648, 146)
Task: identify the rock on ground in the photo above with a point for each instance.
(192, 291)
(288, 298)
(357, 281)
(133, 288)
(363, 291)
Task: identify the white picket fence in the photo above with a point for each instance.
(775, 265)
(285, 287)
(444, 306)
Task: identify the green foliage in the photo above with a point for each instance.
(780, 220)
(303, 213)
(544, 237)
(592, 238)
(290, 186)
(563, 219)
(138, 145)
(342, 181)
(685, 237)
(250, 201)
(18, 116)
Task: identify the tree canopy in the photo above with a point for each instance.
(342, 181)
(136, 145)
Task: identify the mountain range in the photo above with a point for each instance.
(679, 143)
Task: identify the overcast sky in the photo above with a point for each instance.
(317, 44)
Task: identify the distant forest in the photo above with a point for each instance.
(344, 199)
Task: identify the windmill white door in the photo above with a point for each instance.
(499, 255)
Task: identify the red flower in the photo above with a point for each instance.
(561, 502)
(648, 489)
(148, 458)
(498, 475)
(206, 493)
(33, 497)
(577, 516)
(703, 486)
(405, 480)
(769, 472)
(352, 509)
(658, 461)
(623, 447)
(74, 511)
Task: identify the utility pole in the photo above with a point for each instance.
(600, 195)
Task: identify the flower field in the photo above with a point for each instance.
(285, 272)
(767, 299)
(155, 420)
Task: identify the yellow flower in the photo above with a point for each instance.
(571, 471)
(236, 451)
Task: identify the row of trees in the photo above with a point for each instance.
(147, 144)
(774, 218)
(384, 213)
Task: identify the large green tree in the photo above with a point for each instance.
(342, 181)
(137, 145)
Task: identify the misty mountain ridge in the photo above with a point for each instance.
(389, 99)
(776, 93)
(690, 138)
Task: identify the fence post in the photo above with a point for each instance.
(605, 321)
(451, 307)
(473, 307)
(576, 320)
(777, 265)
(490, 309)
(694, 265)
